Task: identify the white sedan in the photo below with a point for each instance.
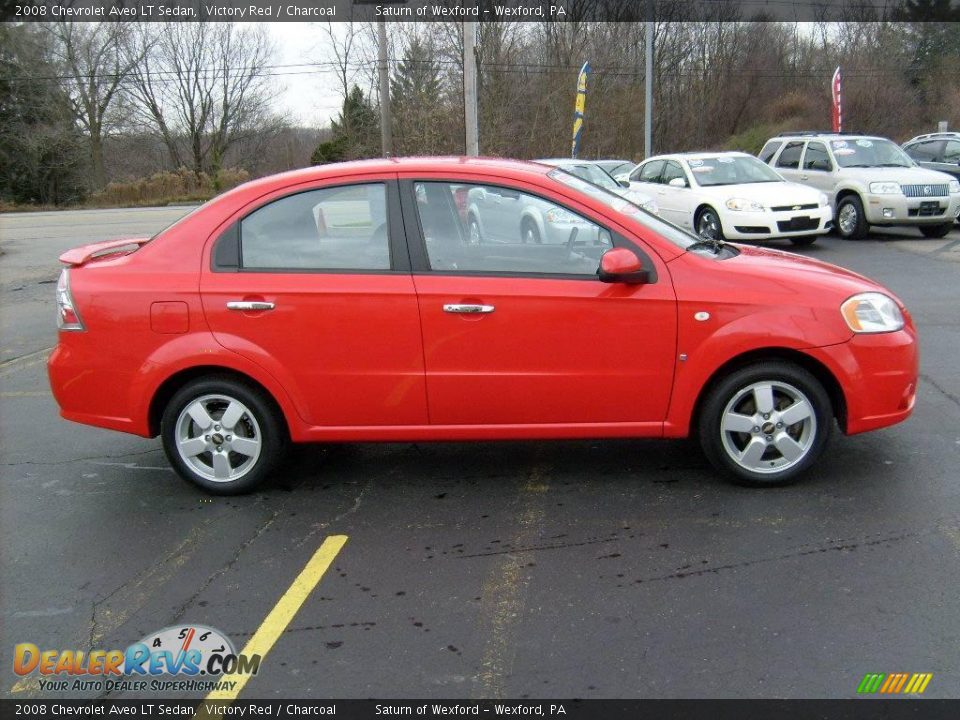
(733, 196)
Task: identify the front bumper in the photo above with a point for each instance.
(878, 376)
(765, 225)
(902, 210)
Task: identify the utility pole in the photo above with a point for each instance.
(470, 88)
(648, 96)
(386, 126)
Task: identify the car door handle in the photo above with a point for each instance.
(249, 305)
(468, 309)
(804, 177)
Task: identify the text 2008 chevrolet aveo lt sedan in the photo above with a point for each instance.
(352, 302)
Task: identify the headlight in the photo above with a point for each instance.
(559, 216)
(744, 205)
(824, 200)
(885, 188)
(872, 312)
(955, 186)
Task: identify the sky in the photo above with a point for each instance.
(310, 95)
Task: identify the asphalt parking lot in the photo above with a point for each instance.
(562, 569)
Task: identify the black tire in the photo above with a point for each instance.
(936, 231)
(529, 232)
(732, 393)
(858, 229)
(804, 241)
(259, 423)
(709, 217)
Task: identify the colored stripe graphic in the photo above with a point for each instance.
(894, 683)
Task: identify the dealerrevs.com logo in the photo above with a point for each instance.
(200, 658)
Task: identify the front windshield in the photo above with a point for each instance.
(591, 173)
(620, 204)
(869, 152)
(731, 170)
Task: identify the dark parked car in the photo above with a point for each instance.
(937, 151)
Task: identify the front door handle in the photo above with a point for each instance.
(468, 309)
(248, 305)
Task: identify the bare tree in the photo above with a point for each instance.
(202, 87)
(95, 61)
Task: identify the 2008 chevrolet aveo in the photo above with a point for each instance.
(466, 299)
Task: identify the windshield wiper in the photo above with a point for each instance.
(892, 165)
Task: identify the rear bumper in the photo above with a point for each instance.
(878, 375)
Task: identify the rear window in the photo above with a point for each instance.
(769, 150)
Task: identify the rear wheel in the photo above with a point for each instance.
(529, 232)
(223, 435)
(851, 221)
(936, 231)
(765, 424)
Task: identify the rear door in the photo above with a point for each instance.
(519, 333)
(314, 285)
(788, 162)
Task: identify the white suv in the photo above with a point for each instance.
(869, 181)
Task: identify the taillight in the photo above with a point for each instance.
(67, 316)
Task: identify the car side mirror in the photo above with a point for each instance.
(678, 182)
(623, 183)
(620, 265)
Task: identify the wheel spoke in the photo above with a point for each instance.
(788, 447)
(231, 415)
(200, 415)
(245, 446)
(750, 457)
(221, 466)
(193, 446)
(800, 410)
(735, 422)
(763, 397)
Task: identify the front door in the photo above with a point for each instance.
(520, 333)
(315, 287)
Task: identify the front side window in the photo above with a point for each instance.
(337, 228)
(673, 171)
(816, 157)
(648, 172)
(951, 153)
(790, 157)
(486, 229)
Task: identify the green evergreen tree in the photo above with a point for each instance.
(416, 97)
(355, 132)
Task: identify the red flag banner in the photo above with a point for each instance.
(836, 92)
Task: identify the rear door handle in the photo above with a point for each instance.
(468, 309)
(249, 305)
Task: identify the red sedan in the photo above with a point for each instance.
(466, 299)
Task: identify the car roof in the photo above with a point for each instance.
(700, 155)
(825, 136)
(945, 135)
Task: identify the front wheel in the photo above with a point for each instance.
(936, 231)
(765, 424)
(851, 221)
(223, 435)
(708, 225)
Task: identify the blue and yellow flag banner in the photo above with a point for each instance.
(578, 108)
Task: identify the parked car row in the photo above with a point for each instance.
(803, 185)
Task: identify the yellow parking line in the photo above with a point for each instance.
(283, 612)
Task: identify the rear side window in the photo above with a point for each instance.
(769, 150)
(926, 151)
(790, 157)
(816, 157)
(338, 228)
